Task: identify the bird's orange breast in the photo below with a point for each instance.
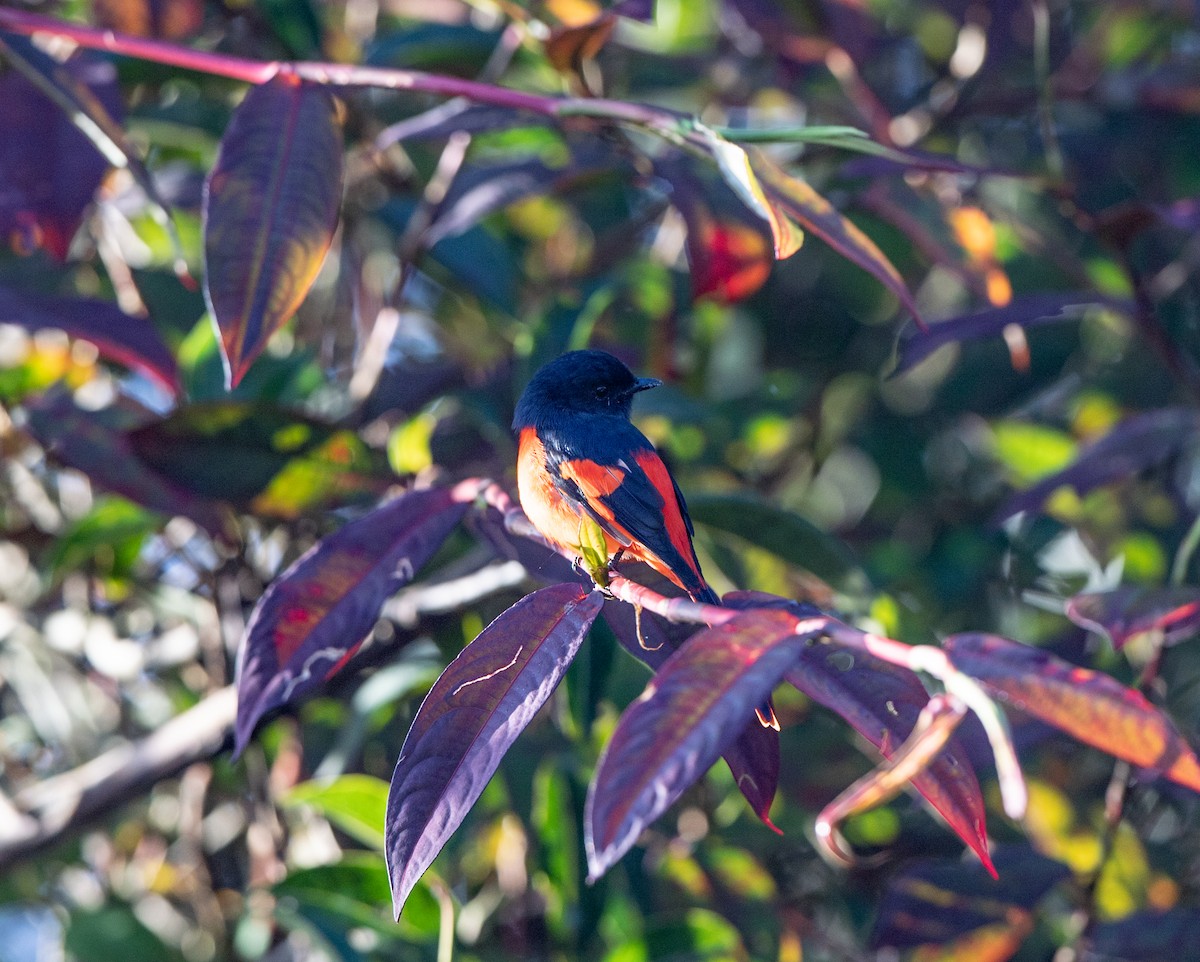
(557, 517)
(554, 515)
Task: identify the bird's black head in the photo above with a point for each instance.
(581, 382)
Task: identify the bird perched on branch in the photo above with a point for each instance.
(581, 461)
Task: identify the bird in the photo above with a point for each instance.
(580, 457)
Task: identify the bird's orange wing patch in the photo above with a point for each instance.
(594, 482)
(677, 530)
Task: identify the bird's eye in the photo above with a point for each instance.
(601, 392)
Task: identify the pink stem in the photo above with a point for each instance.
(338, 75)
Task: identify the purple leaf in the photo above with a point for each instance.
(1025, 312)
(270, 209)
(1087, 705)
(692, 709)
(1135, 444)
(754, 761)
(1125, 612)
(97, 443)
(131, 341)
(314, 616)
(882, 702)
(50, 171)
(479, 705)
(754, 757)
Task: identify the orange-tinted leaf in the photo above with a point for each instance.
(798, 201)
(694, 708)
(270, 209)
(730, 260)
(166, 19)
(569, 46)
(1085, 704)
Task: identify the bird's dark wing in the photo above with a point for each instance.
(614, 473)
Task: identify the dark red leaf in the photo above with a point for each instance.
(882, 702)
(1125, 612)
(691, 711)
(314, 616)
(479, 705)
(1024, 312)
(270, 209)
(96, 443)
(754, 761)
(1137, 443)
(1085, 704)
(131, 341)
(754, 757)
(50, 171)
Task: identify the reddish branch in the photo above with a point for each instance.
(335, 74)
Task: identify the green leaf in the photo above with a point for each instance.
(357, 804)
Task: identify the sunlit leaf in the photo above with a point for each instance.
(692, 709)
(933, 902)
(1137, 443)
(474, 711)
(1085, 704)
(570, 45)
(816, 215)
(357, 804)
(130, 341)
(741, 174)
(270, 208)
(314, 616)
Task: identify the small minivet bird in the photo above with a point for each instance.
(580, 456)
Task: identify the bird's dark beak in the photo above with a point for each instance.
(645, 383)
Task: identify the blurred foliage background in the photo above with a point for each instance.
(1047, 167)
